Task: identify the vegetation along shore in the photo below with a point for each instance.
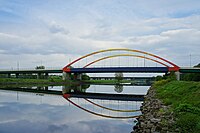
(171, 106)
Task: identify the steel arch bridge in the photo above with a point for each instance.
(168, 66)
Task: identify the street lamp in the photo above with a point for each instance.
(190, 60)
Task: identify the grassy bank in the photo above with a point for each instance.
(183, 97)
(52, 81)
(29, 82)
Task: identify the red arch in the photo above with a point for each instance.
(174, 68)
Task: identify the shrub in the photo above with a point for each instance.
(85, 77)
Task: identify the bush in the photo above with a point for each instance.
(192, 76)
(85, 77)
(158, 78)
(40, 67)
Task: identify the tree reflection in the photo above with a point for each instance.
(118, 88)
(75, 88)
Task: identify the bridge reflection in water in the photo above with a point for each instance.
(109, 105)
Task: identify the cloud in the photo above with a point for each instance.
(182, 37)
(64, 28)
(48, 44)
(146, 41)
(56, 28)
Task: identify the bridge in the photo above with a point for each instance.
(78, 67)
(38, 72)
(165, 66)
(100, 70)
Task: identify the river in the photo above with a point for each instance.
(22, 111)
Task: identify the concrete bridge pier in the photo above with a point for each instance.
(46, 75)
(66, 76)
(46, 88)
(17, 75)
(9, 75)
(39, 75)
(79, 76)
(178, 75)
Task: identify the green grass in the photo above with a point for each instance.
(184, 99)
(20, 80)
(14, 82)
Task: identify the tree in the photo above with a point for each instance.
(119, 76)
(118, 88)
(40, 67)
(197, 65)
(191, 76)
(85, 77)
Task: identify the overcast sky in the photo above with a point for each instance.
(50, 32)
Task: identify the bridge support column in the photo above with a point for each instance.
(46, 75)
(79, 76)
(17, 75)
(9, 75)
(66, 76)
(38, 75)
(178, 75)
(66, 89)
(46, 88)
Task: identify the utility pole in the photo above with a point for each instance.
(18, 65)
(190, 60)
(17, 96)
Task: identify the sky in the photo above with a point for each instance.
(51, 33)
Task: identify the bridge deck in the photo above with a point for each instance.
(104, 70)
(189, 70)
(31, 71)
(120, 69)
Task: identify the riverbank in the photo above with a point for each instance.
(171, 106)
(14, 82)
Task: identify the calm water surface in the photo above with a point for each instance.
(22, 112)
